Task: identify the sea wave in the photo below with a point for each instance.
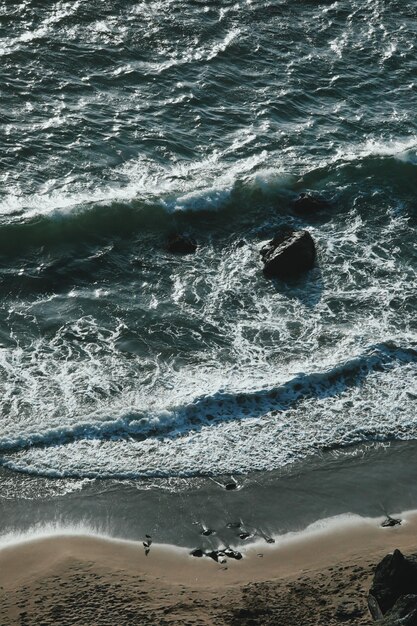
(222, 406)
(154, 200)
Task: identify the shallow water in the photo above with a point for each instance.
(197, 512)
(122, 124)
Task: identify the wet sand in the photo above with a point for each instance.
(320, 576)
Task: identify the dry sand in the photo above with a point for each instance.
(321, 576)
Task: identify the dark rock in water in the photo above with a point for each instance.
(181, 244)
(218, 555)
(230, 486)
(233, 525)
(197, 552)
(213, 554)
(232, 554)
(244, 536)
(395, 576)
(310, 204)
(289, 254)
(391, 521)
(207, 532)
(403, 613)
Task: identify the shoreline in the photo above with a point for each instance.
(329, 558)
(321, 544)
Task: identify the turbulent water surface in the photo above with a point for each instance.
(123, 122)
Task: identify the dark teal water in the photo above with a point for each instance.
(122, 122)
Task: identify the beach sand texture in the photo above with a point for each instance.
(321, 576)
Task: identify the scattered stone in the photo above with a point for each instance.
(147, 544)
(232, 554)
(244, 536)
(391, 521)
(218, 555)
(197, 552)
(310, 204)
(288, 254)
(181, 244)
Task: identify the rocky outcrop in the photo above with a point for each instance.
(403, 613)
(180, 244)
(289, 254)
(395, 577)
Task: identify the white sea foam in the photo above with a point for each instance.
(404, 149)
(189, 351)
(73, 404)
(44, 531)
(207, 184)
(200, 185)
(347, 524)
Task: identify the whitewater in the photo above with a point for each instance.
(125, 369)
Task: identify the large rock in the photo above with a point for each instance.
(289, 254)
(395, 576)
(403, 613)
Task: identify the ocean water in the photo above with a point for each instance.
(128, 373)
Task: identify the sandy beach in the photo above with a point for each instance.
(320, 576)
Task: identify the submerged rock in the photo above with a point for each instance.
(244, 536)
(181, 244)
(395, 576)
(234, 524)
(309, 204)
(289, 254)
